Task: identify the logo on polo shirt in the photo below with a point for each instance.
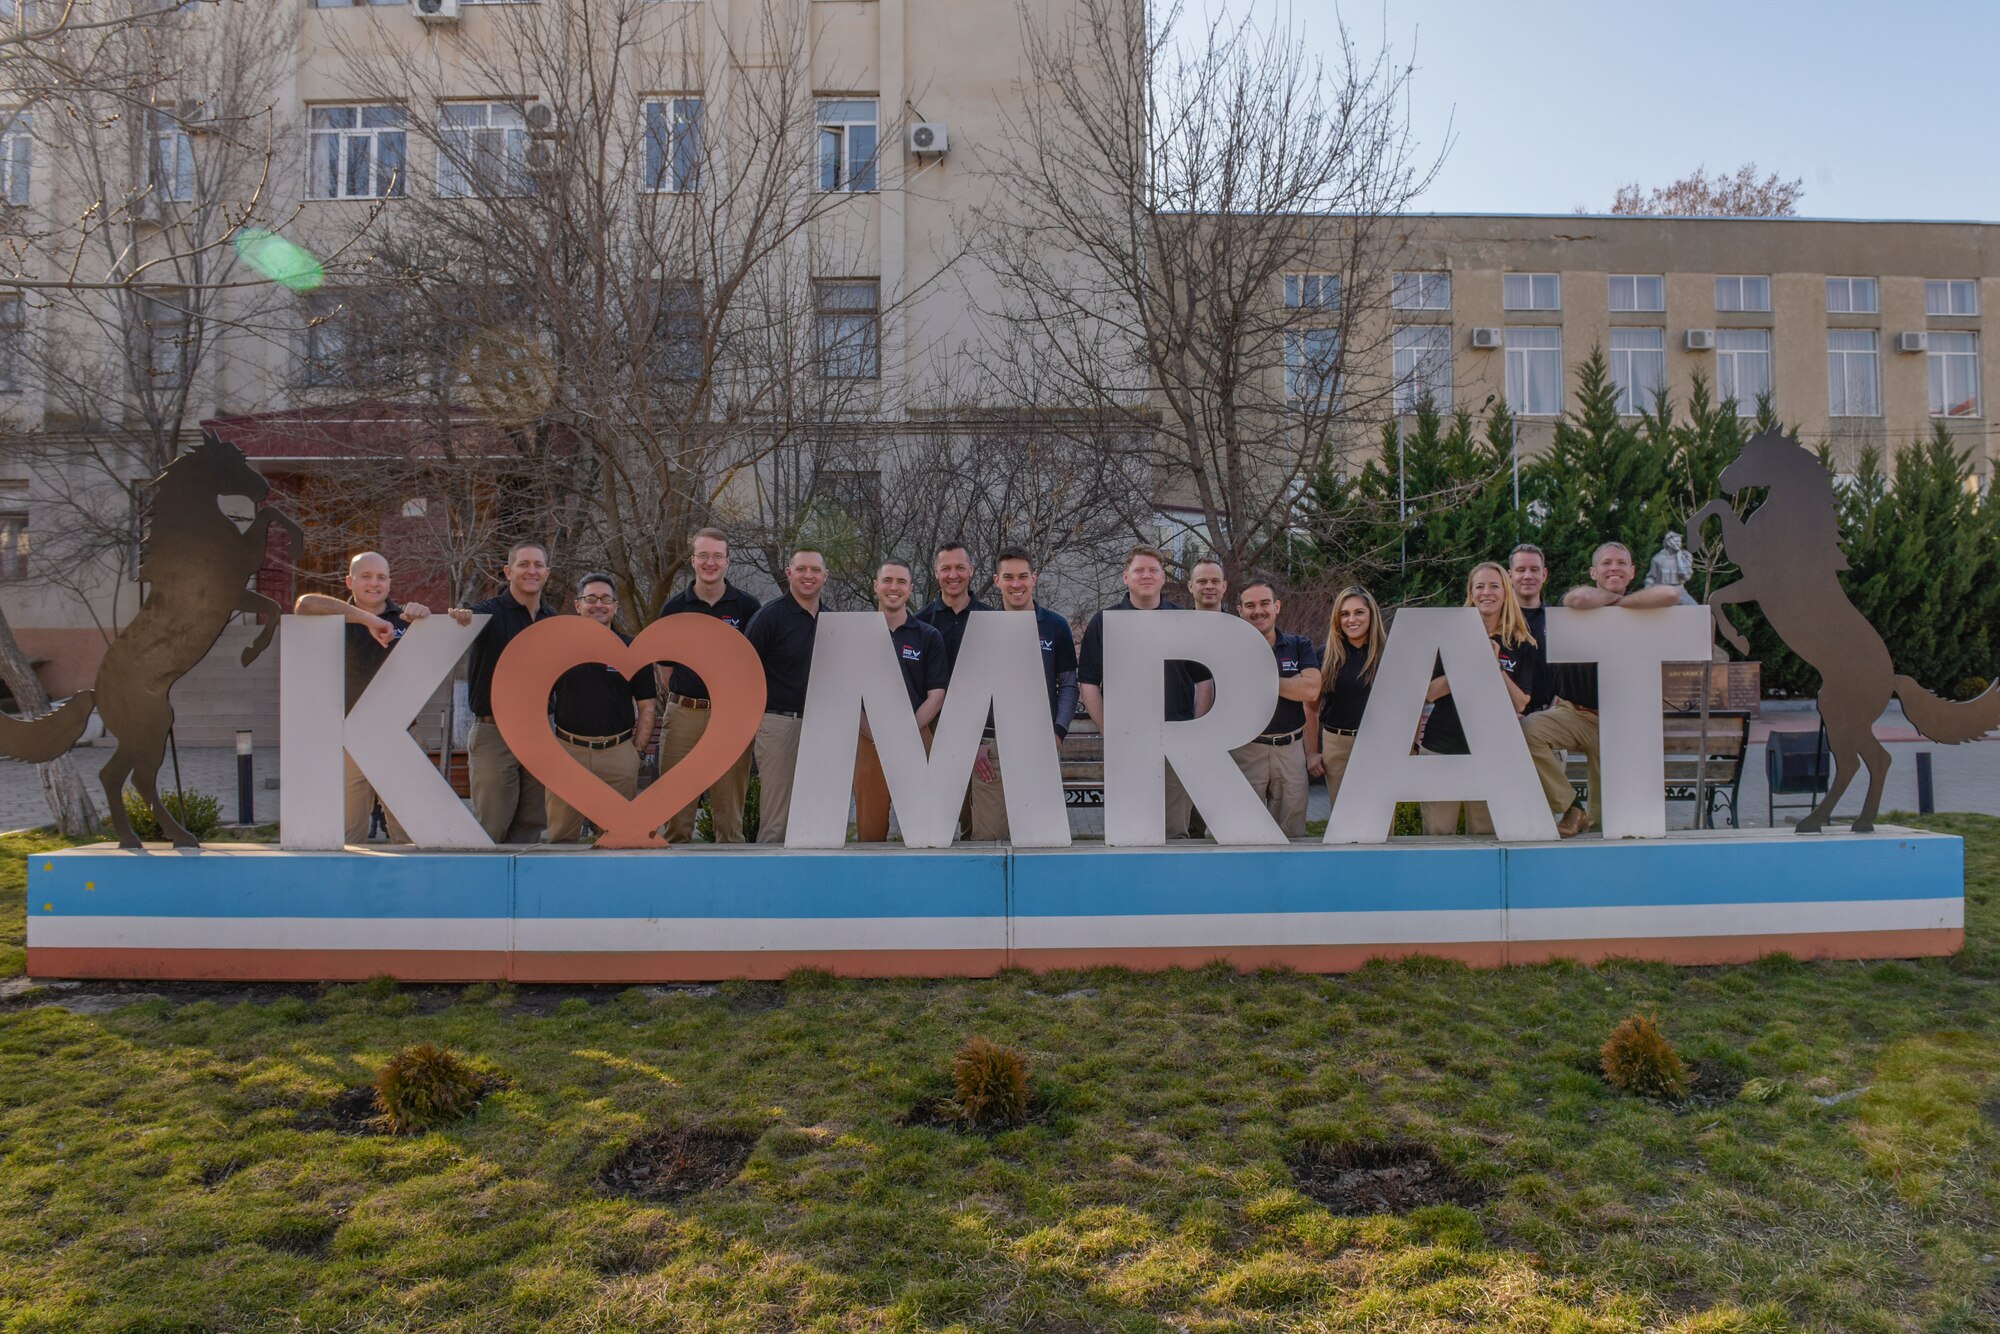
(1288, 666)
(1048, 646)
(912, 654)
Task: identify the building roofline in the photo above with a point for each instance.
(1705, 217)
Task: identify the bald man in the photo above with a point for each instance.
(374, 624)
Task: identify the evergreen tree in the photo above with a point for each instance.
(1600, 481)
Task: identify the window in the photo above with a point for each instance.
(482, 150)
(677, 331)
(1742, 293)
(1312, 366)
(170, 158)
(1423, 366)
(1638, 368)
(847, 132)
(1853, 374)
(163, 326)
(1638, 291)
(1951, 296)
(1535, 371)
(17, 156)
(1531, 291)
(358, 152)
(326, 350)
(673, 144)
(1312, 291)
(1954, 367)
(1420, 291)
(848, 321)
(1743, 367)
(14, 545)
(1851, 296)
(13, 336)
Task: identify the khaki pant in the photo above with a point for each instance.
(678, 735)
(1180, 806)
(361, 804)
(617, 765)
(871, 791)
(1277, 775)
(1560, 727)
(1441, 817)
(1334, 751)
(507, 800)
(989, 801)
(777, 751)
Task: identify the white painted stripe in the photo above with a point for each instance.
(1182, 930)
(597, 934)
(269, 933)
(1734, 919)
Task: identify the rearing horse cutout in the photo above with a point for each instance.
(1789, 551)
(197, 570)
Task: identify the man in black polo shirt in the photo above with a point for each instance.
(1190, 688)
(603, 720)
(1275, 763)
(782, 632)
(507, 800)
(1528, 571)
(1014, 572)
(952, 568)
(374, 625)
(686, 716)
(920, 654)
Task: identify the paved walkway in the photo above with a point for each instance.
(1966, 778)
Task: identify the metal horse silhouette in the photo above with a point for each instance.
(1788, 549)
(197, 568)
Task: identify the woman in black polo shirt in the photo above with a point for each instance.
(1519, 658)
(1354, 639)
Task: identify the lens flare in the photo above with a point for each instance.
(283, 262)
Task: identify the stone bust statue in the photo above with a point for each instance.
(1672, 565)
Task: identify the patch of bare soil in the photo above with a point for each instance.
(672, 1161)
(1357, 1180)
(938, 1112)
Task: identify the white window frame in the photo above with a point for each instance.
(1950, 350)
(1421, 289)
(1843, 294)
(13, 337)
(679, 327)
(1312, 366)
(1638, 373)
(170, 158)
(847, 328)
(1631, 289)
(17, 157)
(1951, 296)
(388, 144)
(1312, 291)
(498, 140)
(1531, 291)
(673, 125)
(1853, 374)
(163, 324)
(1528, 349)
(326, 352)
(1422, 364)
(848, 160)
(1733, 364)
(1738, 286)
(15, 544)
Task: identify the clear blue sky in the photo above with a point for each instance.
(1886, 109)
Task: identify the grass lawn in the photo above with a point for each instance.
(163, 1165)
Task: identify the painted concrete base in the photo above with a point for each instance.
(700, 913)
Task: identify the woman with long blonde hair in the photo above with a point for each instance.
(1518, 657)
(1354, 640)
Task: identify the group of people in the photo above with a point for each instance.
(606, 721)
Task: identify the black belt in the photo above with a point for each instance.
(1272, 739)
(594, 742)
(1342, 731)
(786, 713)
(482, 717)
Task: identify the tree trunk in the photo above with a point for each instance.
(69, 801)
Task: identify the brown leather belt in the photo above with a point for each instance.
(686, 701)
(595, 742)
(1274, 740)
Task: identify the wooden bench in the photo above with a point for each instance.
(1720, 759)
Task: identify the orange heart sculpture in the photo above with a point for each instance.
(720, 655)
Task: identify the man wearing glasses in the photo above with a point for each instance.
(603, 719)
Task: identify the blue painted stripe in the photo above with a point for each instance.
(1133, 882)
(1801, 869)
(270, 884)
(757, 883)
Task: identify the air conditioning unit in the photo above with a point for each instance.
(1487, 338)
(540, 154)
(1913, 342)
(1701, 340)
(435, 11)
(928, 136)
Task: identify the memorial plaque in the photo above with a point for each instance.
(1731, 685)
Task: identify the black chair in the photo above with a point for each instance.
(1795, 763)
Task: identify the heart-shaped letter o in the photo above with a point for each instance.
(720, 655)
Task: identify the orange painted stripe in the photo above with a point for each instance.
(1927, 942)
(758, 965)
(207, 965)
(1302, 958)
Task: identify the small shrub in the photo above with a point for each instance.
(1409, 819)
(199, 813)
(422, 1087)
(1970, 687)
(704, 819)
(989, 1085)
(1637, 1058)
